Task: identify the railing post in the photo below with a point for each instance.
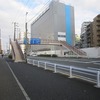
(98, 79)
(33, 62)
(38, 64)
(27, 61)
(70, 72)
(55, 69)
(45, 66)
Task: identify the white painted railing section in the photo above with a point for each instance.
(81, 73)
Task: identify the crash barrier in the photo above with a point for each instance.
(73, 72)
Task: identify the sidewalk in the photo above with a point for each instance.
(9, 89)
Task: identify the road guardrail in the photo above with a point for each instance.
(73, 72)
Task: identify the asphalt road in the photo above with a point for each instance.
(9, 89)
(42, 84)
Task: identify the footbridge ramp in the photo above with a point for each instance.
(72, 49)
(17, 53)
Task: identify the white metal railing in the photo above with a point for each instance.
(81, 73)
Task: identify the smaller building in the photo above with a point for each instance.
(89, 35)
(83, 36)
(84, 27)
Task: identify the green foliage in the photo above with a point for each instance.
(10, 56)
(54, 55)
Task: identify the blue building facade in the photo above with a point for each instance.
(70, 29)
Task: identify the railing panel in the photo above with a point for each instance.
(81, 73)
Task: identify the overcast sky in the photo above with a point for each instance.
(14, 11)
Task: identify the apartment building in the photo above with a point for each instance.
(96, 31)
(83, 36)
(90, 34)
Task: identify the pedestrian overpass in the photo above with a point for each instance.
(18, 56)
(72, 49)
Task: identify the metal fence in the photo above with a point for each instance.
(73, 72)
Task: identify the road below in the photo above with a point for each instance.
(42, 84)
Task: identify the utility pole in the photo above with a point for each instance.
(14, 31)
(9, 44)
(26, 25)
(26, 36)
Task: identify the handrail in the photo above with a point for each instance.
(20, 50)
(80, 52)
(12, 48)
(82, 73)
(72, 48)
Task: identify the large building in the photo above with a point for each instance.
(91, 37)
(56, 22)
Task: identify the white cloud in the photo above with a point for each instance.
(85, 10)
(12, 10)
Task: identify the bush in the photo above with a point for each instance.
(47, 55)
(10, 56)
(54, 55)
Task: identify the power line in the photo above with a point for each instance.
(18, 14)
(41, 10)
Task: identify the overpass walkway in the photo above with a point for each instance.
(17, 53)
(42, 84)
(71, 50)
